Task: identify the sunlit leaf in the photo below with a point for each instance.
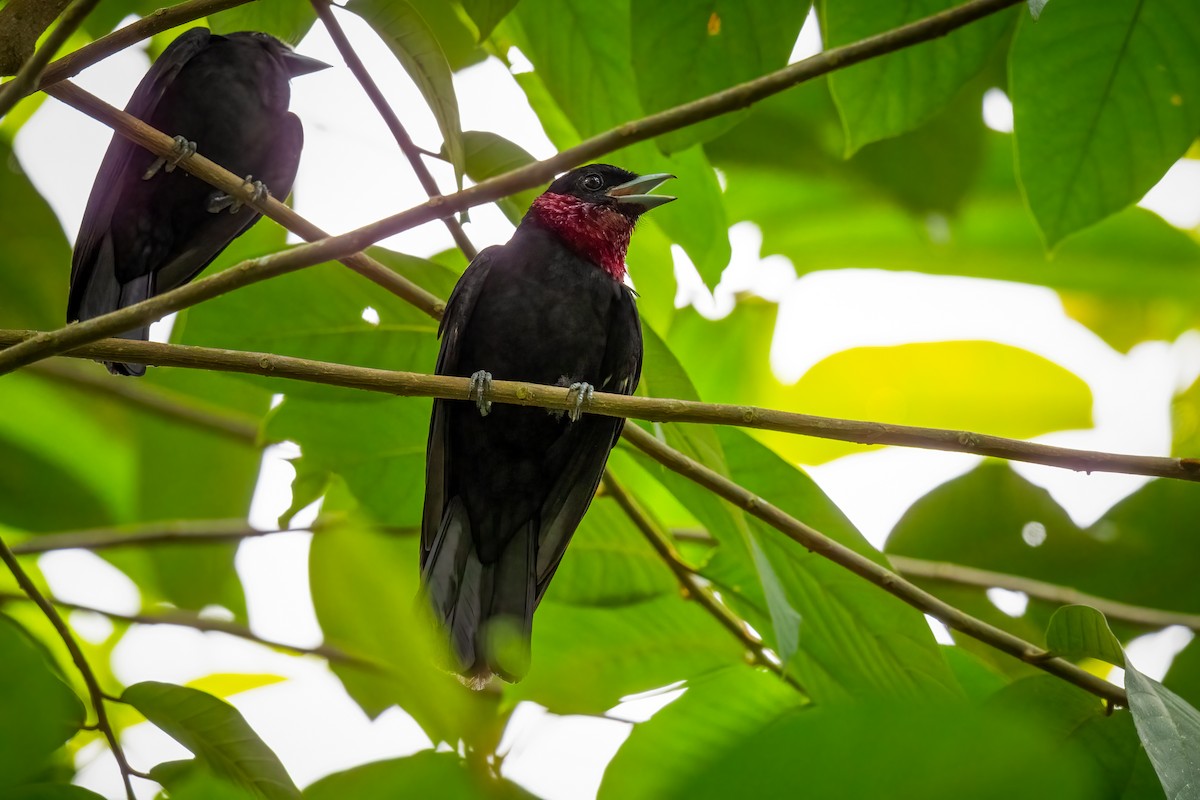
(1082, 632)
(486, 14)
(425, 774)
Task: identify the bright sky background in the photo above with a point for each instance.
(352, 173)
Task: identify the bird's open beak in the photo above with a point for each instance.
(302, 65)
(636, 191)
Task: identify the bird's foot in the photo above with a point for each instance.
(582, 392)
(182, 151)
(219, 201)
(479, 389)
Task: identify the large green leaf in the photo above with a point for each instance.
(895, 93)
(51, 791)
(581, 52)
(288, 20)
(585, 659)
(714, 713)
(934, 750)
(1105, 98)
(40, 712)
(1170, 731)
(488, 155)
(216, 733)
(486, 14)
(364, 587)
(404, 29)
(425, 774)
(689, 49)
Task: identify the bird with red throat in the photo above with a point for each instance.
(506, 486)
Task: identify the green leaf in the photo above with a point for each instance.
(714, 713)
(1170, 731)
(40, 711)
(365, 592)
(897, 92)
(686, 50)
(216, 733)
(425, 774)
(627, 649)
(938, 751)
(288, 20)
(403, 28)
(1100, 117)
(582, 55)
(51, 791)
(189, 780)
(486, 14)
(1077, 632)
(488, 155)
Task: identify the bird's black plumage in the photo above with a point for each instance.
(143, 236)
(505, 491)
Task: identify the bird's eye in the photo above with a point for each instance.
(592, 182)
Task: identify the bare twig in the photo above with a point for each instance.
(867, 569)
(185, 619)
(403, 140)
(161, 20)
(201, 531)
(22, 22)
(31, 70)
(161, 402)
(651, 409)
(1042, 590)
(85, 669)
(695, 587)
(491, 189)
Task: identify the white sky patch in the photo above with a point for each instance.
(81, 576)
(941, 634)
(1176, 197)
(997, 110)
(370, 316)
(1153, 653)
(808, 43)
(559, 758)
(1011, 603)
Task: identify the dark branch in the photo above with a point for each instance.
(31, 70)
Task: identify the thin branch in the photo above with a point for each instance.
(12, 92)
(517, 180)
(867, 569)
(1042, 590)
(85, 669)
(161, 20)
(694, 586)
(164, 403)
(403, 140)
(650, 409)
(171, 532)
(186, 619)
(22, 22)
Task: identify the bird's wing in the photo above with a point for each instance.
(594, 436)
(114, 169)
(454, 320)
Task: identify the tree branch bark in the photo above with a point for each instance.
(27, 78)
(23, 22)
(650, 409)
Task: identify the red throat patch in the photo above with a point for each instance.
(594, 231)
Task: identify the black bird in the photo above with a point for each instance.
(507, 486)
(147, 229)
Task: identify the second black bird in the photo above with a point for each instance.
(149, 228)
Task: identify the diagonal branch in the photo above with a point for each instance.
(526, 177)
(649, 409)
(867, 569)
(695, 587)
(85, 669)
(1042, 590)
(403, 140)
(12, 92)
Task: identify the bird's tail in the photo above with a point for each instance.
(487, 609)
(104, 293)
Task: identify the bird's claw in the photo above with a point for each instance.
(582, 392)
(478, 390)
(181, 151)
(219, 201)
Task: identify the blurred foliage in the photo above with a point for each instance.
(884, 165)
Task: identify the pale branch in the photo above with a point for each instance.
(399, 133)
(27, 78)
(865, 568)
(22, 22)
(1041, 590)
(170, 532)
(161, 143)
(517, 180)
(694, 586)
(164, 403)
(649, 409)
(161, 20)
(85, 670)
(186, 619)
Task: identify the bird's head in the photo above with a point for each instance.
(593, 209)
(293, 63)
